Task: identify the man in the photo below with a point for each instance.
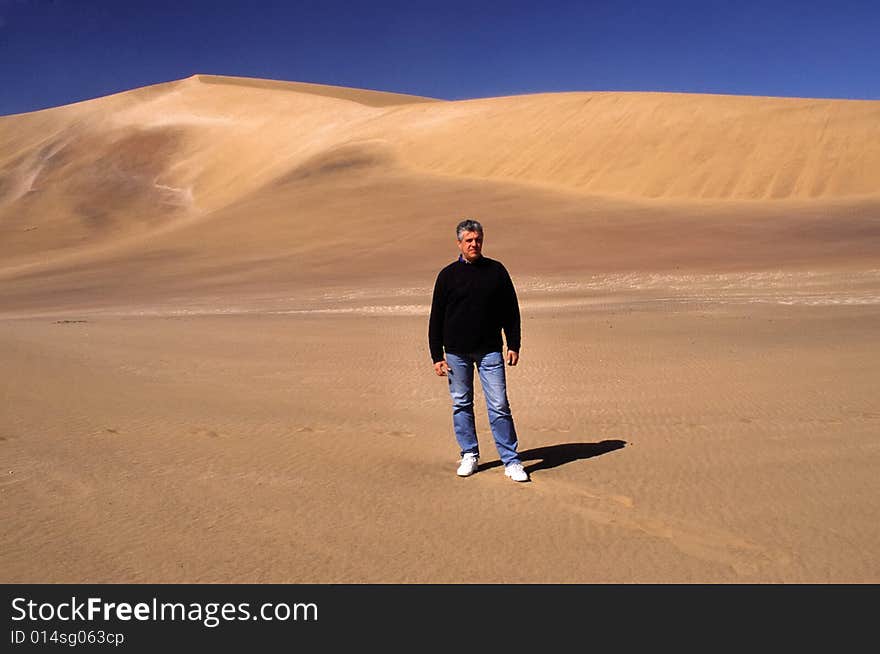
(474, 300)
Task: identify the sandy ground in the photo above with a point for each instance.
(213, 335)
(668, 441)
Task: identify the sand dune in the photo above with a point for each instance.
(213, 304)
(131, 163)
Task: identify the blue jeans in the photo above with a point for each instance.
(494, 382)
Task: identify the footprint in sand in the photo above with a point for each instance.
(308, 429)
(106, 431)
(204, 431)
(623, 500)
(827, 421)
(396, 433)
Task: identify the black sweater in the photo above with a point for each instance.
(472, 303)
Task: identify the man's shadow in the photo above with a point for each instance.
(552, 456)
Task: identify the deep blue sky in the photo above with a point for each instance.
(54, 52)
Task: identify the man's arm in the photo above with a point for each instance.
(512, 322)
(435, 325)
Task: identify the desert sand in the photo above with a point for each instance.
(213, 326)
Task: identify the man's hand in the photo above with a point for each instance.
(512, 358)
(441, 367)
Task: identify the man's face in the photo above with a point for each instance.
(471, 245)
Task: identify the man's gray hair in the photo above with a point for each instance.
(468, 225)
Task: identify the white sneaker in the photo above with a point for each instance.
(516, 472)
(468, 465)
